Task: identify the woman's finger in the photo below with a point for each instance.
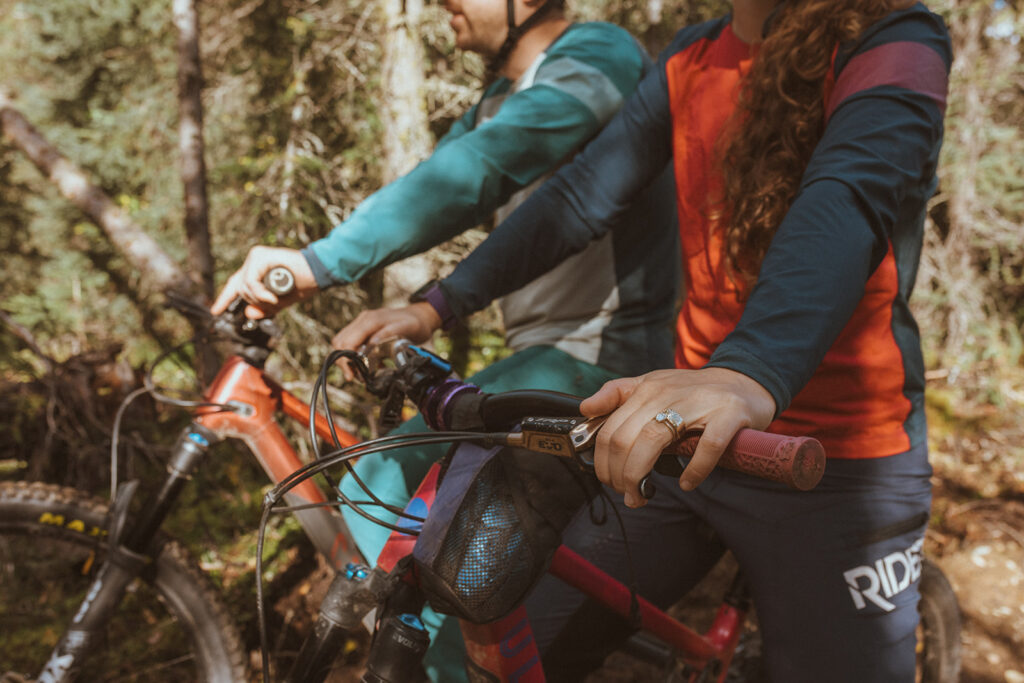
(609, 397)
(634, 449)
(715, 437)
(653, 438)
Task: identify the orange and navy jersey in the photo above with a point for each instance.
(826, 329)
(841, 266)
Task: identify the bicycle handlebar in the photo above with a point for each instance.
(254, 335)
(550, 422)
(449, 404)
(796, 461)
(279, 280)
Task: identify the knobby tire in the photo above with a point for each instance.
(170, 626)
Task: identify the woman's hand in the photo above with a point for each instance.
(415, 322)
(247, 281)
(717, 401)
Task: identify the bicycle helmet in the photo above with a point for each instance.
(515, 32)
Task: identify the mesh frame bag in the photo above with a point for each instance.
(495, 523)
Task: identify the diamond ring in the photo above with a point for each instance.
(672, 420)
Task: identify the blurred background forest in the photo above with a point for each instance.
(306, 108)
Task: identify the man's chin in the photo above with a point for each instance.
(470, 46)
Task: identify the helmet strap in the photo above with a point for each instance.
(514, 34)
(510, 5)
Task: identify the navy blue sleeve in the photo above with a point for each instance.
(874, 167)
(582, 202)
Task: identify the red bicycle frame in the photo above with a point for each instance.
(506, 649)
(256, 398)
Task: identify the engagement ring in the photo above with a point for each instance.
(672, 420)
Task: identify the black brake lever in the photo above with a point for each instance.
(391, 410)
(188, 307)
(572, 437)
(569, 437)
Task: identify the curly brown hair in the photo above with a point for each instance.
(766, 145)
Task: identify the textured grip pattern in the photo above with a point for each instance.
(797, 461)
(279, 280)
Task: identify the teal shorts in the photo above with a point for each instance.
(394, 475)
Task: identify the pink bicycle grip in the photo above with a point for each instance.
(797, 461)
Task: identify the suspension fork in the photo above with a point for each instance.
(355, 591)
(131, 551)
(399, 643)
(350, 597)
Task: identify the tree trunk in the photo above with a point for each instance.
(654, 10)
(403, 104)
(190, 134)
(407, 139)
(157, 270)
(966, 300)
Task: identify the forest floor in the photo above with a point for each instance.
(976, 537)
(978, 542)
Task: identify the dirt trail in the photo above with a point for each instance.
(978, 541)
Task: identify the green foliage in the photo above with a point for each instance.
(655, 28)
(98, 82)
(970, 294)
(291, 132)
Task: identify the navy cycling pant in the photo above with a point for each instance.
(834, 572)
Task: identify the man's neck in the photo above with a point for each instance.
(748, 17)
(531, 44)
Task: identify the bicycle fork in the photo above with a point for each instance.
(400, 640)
(130, 553)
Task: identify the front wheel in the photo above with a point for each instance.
(170, 626)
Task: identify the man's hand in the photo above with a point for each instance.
(415, 322)
(247, 282)
(717, 401)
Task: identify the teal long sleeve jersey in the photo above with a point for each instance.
(611, 305)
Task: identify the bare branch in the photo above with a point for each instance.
(27, 338)
(156, 268)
